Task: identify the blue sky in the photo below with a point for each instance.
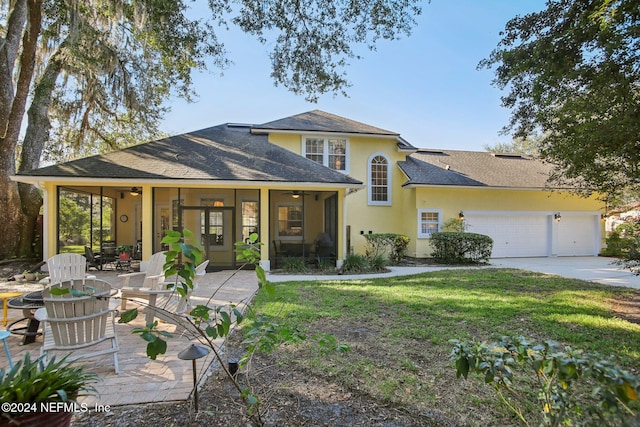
(425, 87)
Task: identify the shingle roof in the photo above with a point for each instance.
(474, 168)
(223, 152)
(321, 121)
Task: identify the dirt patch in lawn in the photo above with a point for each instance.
(627, 307)
(291, 396)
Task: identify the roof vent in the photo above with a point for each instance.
(432, 152)
(508, 155)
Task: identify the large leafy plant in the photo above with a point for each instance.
(31, 381)
(558, 373)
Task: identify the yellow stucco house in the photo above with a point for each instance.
(292, 179)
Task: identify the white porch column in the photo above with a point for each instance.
(147, 222)
(264, 229)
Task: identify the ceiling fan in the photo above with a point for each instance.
(297, 193)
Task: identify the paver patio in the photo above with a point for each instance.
(142, 380)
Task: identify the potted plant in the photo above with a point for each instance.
(34, 394)
(124, 252)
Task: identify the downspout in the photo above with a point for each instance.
(345, 251)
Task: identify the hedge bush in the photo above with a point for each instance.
(387, 244)
(457, 247)
(355, 264)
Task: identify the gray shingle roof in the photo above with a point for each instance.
(223, 152)
(474, 168)
(321, 121)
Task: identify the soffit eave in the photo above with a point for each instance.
(38, 180)
(262, 131)
(484, 187)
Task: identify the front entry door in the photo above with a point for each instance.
(216, 235)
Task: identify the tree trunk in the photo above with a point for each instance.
(10, 217)
(36, 137)
(9, 49)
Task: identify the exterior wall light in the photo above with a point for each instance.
(461, 215)
(557, 216)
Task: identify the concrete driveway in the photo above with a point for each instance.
(594, 269)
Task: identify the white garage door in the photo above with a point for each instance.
(578, 235)
(535, 235)
(513, 235)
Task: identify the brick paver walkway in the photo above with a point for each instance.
(142, 380)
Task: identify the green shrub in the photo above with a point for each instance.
(389, 244)
(326, 265)
(400, 244)
(454, 224)
(622, 240)
(456, 247)
(355, 263)
(631, 258)
(378, 263)
(554, 371)
(617, 245)
(295, 265)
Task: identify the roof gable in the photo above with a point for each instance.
(320, 121)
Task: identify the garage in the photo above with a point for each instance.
(537, 234)
(578, 235)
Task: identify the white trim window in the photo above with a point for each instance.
(379, 175)
(330, 152)
(290, 221)
(429, 222)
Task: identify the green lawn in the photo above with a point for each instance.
(399, 331)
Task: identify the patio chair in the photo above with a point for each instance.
(66, 266)
(93, 260)
(279, 253)
(74, 323)
(108, 254)
(324, 247)
(166, 302)
(153, 279)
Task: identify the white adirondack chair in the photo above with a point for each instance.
(165, 302)
(153, 279)
(73, 323)
(66, 266)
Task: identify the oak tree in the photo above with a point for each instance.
(572, 74)
(80, 76)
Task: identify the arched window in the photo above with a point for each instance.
(379, 180)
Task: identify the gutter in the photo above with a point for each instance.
(29, 179)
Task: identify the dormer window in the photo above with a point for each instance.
(330, 152)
